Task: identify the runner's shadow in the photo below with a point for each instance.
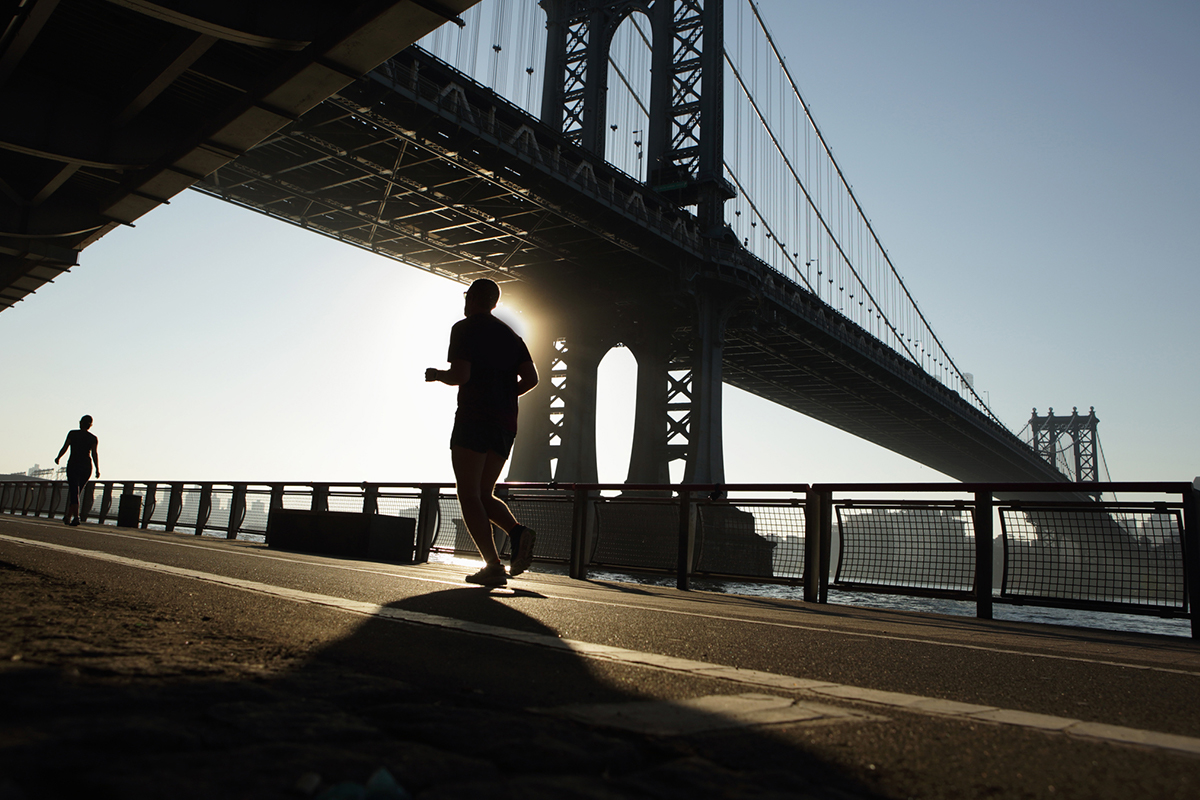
(466, 672)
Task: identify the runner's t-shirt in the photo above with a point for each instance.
(495, 352)
(82, 443)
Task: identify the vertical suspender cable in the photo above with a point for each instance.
(911, 301)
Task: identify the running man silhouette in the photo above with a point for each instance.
(84, 452)
(491, 367)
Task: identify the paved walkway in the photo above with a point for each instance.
(135, 664)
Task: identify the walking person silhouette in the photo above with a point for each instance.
(84, 452)
(491, 367)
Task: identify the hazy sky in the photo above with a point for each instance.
(1032, 168)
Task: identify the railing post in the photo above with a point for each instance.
(1191, 554)
(237, 510)
(52, 508)
(427, 521)
(812, 544)
(687, 540)
(983, 555)
(320, 497)
(276, 498)
(148, 507)
(204, 508)
(105, 503)
(582, 517)
(370, 498)
(826, 546)
(174, 505)
(37, 503)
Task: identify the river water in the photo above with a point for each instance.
(1103, 620)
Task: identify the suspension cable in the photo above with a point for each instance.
(796, 91)
(788, 162)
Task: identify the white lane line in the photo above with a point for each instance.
(407, 575)
(710, 713)
(930, 706)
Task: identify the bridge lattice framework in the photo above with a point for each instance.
(420, 163)
(677, 345)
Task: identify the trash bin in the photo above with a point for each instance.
(129, 511)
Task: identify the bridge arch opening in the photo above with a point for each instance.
(628, 117)
(616, 391)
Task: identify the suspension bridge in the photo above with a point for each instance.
(642, 173)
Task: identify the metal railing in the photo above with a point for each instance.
(1137, 556)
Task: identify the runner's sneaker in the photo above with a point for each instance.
(523, 539)
(490, 575)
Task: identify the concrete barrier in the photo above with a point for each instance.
(340, 533)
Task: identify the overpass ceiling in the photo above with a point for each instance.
(112, 107)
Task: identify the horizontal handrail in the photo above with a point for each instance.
(698, 528)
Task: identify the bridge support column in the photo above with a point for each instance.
(559, 420)
(679, 389)
(706, 453)
(649, 456)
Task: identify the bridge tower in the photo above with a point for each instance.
(676, 341)
(1047, 431)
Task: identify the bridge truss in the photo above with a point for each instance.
(419, 163)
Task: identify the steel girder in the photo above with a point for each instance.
(112, 107)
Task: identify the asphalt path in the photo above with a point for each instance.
(889, 703)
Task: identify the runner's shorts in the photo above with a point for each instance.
(77, 478)
(482, 436)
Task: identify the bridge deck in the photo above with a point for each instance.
(419, 163)
(135, 660)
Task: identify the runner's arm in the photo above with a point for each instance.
(458, 374)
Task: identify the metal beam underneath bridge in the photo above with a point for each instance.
(113, 107)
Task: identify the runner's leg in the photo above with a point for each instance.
(468, 476)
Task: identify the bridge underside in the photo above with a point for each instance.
(842, 387)
(112, 108)
(418, 164)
